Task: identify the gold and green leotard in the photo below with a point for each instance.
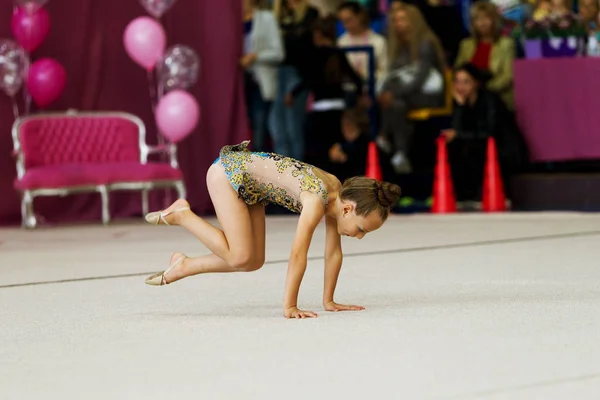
(264, 178)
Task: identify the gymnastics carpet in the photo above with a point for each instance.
(463, 306)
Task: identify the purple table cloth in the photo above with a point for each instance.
(558, 107)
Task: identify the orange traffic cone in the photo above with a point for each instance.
(444, 200)
(493, 187)
(373, 167)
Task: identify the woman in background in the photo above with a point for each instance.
(296, 18)
(415, 80)
(263, 51)
(479, 114)
(489, 51)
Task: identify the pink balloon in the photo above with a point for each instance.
(46, 81)
(145, 41)
(177, 115)
(30, 28)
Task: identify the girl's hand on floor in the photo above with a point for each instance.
(335, 307)
(294, 312)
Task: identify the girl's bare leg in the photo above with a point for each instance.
(241, 243)
(212, 263)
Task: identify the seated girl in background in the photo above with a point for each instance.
(240, 184)
(349, 156)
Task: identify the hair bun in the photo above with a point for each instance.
(387, 193)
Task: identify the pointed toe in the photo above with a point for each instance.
(152, 218)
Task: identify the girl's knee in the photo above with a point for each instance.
(246, 262)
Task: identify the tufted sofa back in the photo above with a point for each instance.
(85, 138)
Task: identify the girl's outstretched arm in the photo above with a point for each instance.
(333, 265)
(312, 212)
(333, 259)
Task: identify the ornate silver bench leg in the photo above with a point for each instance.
(180, 187)
(144, 201)
(105, 204)
(28, 218)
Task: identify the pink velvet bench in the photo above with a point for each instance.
(67, 153)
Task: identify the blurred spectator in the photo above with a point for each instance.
(513, 12)
(445, 20)
(349, 156)
(325, 76)
(479, 114)
(263, 50)
(542, 10)
(358, 33)
(589, 12)
(552, 8)
(415, 80)
(490, 51)
(287, 121)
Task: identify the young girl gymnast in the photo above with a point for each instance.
(240, 184)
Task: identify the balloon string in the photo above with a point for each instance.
(153, 100)
(27, 98)
(160, 93)
(15, 107)
(152, 90)
(26, 94)
(165, 155)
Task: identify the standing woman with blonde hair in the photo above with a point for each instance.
(415, 80)
(489, 51)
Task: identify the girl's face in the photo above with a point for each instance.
(401, 22)
(464, 84)
(350, 130)
(482, 24)
(352, 225)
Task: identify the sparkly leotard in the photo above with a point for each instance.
(266, 178)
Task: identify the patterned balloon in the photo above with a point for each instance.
(31, 5)
(14, 65)
(178, 68)
(157, 8)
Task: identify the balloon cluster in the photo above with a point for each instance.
(176, 69)
(44, 79)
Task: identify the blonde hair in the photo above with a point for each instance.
(490, 10)
(419, 32)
